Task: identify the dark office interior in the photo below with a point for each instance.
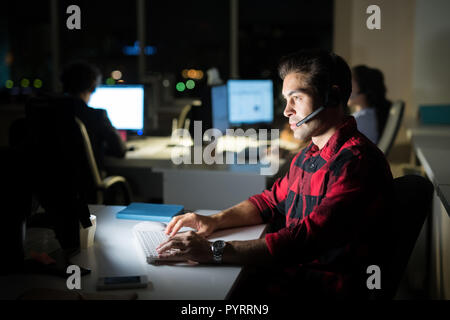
(162, 67)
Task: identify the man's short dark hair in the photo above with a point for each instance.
(323, 69)
(80, 76)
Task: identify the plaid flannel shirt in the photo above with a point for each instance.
(331, 202)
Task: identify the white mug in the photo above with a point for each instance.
(87, 235)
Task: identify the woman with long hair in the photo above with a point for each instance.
(368, 101)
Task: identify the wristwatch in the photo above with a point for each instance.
(217, 248)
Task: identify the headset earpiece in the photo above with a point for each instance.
(333, 97)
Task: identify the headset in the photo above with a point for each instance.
(332, 102)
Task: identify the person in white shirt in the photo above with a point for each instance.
(368, 101)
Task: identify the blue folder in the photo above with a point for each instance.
(150, 211)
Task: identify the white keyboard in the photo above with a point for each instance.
(149, 240)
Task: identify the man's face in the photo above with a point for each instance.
(86, 96)
(299, 104)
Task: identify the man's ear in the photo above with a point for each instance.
(334, 97)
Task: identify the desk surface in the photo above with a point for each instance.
(115, 253)
(432, 146)
(428, 130)
(444, 193)
(433, 151)
(163, 148)
(154, 153)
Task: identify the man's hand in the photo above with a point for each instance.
(204, 225)
(192, 247)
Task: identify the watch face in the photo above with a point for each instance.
(218, 245)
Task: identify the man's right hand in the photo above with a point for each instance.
(205, 225)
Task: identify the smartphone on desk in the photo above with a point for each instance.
(116, 283)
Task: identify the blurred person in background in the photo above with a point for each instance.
(368, 102)
(79, 80)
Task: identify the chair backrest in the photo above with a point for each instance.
(413, 199)
(392, 126)
(95, 173)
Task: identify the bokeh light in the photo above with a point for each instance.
(116, 74)
(24, 82)
(180, 86)
(190, 84)
(37, 83)
(192, 73)
(9, 84)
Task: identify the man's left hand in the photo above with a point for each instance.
(191, 247)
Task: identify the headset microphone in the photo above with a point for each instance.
(310, 116)
(315, 112)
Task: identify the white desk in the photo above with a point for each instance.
(434, 154)
(157, 148)
(444, 195)
(152, 174)
(115, 253)
(432, 147)
(215, 186)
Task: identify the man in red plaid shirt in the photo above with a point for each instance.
(331, 202)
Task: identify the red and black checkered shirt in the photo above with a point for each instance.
(331, 202)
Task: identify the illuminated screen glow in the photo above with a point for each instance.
(123, 103)
(219, 108)
(250, 101)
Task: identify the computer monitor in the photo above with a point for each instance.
(250, 101)
(124, 104)
(219, 98)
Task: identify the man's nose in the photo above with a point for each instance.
(288, 110)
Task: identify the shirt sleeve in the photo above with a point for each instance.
(271, 202)
(353, 187)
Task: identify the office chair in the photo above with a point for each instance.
(392, 126)
(62, 140)
(101, 186)
(183, 116)
(188, 111)
(412, 204)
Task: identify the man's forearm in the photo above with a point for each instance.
(248, 252)
(242, 252)
(242, 214)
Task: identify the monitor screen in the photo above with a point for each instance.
(219, 108)
(250, 101)
(124, 104)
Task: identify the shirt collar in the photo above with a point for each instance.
(345, 131)
(363, 112)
